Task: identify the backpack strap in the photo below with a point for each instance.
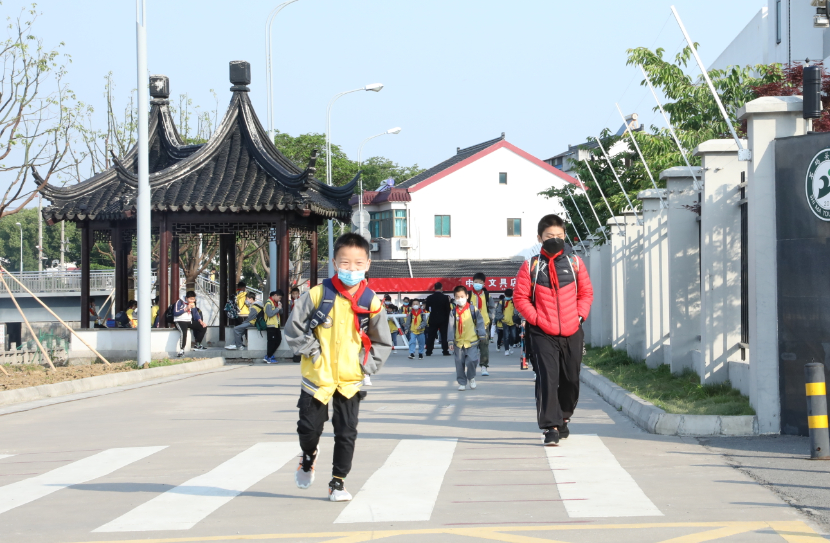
(322, 312)
(574, 263)
(534, 277)
(365, 301)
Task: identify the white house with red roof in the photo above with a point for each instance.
(481, 203)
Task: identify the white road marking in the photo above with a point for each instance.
(2, 456)
(406, 487)
(602, 487)
(183, 507)
(92, 467)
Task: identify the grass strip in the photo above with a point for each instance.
(681, 394)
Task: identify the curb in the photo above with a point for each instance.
(20, 395)
(654, 420)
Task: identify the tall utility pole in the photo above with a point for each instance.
(63, 245)
(143, 221)
(40, 233)
(269, 91)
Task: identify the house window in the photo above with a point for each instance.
(514, 227)
(778, 21)
(442, 226)
(400, 223)
(503, 178)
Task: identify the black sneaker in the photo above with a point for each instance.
(420, 357)
(563, 430)
(411, 356)
(550, 438)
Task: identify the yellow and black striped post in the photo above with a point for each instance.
(817, 411)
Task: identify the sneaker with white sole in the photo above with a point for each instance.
(180, 354)
(411, 356)
(367, 381)
(462, 387)
(230, 347)
(472, 384)
(200, 347)
(550, 438)
(506, 352)
(337, 490)
(304, 475)
(484, 371)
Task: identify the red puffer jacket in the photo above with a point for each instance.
(559, 301)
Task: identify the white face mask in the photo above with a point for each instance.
(461, 302)
(416, 306)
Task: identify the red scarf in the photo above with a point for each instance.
(342, 290)
(554, 279)
(459, 314)
(478, 297)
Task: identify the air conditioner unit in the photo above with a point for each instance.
(375, 248)
(406, 243)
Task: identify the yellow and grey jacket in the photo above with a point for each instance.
(474, 298)
(272, 314)
(240, 304)
(332, 353)
(473, 329)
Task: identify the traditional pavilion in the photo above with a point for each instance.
(236, 185)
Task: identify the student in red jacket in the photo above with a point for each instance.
(554, 294)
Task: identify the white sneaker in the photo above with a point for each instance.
(338, 492)
(462, 387)
(230, 347)
(506, 352)
(484, 372)
(302, 477)
(472, 384)
(367, 381)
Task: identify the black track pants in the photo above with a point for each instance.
(314, 414)
(556, 360)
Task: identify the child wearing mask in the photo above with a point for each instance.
(465, 333)
(480, 299)
(416, 324)
(340, 330)
(273, 308)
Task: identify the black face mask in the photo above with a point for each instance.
(553, 246)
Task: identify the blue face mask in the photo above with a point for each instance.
(406, 303)
(478, 286)
(350, 278)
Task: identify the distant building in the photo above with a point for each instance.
(481, 203)
(778, 33)
(576, 153)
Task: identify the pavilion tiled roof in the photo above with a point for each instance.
(238, 170)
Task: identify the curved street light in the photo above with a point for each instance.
(374, 87)
(269, 85)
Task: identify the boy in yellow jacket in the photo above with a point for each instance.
(465, 333)
(340, 328)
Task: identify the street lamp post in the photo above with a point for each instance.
(396, 130)
(143, 218)
(21, 246)
(374, 87)
(269, 91)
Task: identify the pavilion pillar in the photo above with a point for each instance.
(86, 236)
(233, 279)
(223, 284)
(312, 260)
(175, 285)
(283, 255)
(164, 263)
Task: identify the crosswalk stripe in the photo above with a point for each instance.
(92, 467)
(601, 486)
(183, 507)
(406, 487)
(2, 456)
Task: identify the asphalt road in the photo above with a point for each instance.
(212, 458)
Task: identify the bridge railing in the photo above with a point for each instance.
(61, 281)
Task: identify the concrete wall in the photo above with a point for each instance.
(616, 266)
(635, 305)
(720, 258)
(767, 118)
(684, 269)
(656, 271)
(600, 318)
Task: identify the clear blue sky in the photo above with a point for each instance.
(456, 72)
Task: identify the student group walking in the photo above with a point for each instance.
(342, 333)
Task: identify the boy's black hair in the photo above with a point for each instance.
(351, 239)
(241, 284)
(508, 292)
(480, 276)
(459, 288)
(295, 289)
(387, 298)
(439, 286)
(501, 297)
(91, 299)
(547, 221)
(189, 294)
(251, 295)
(155, 300)
(277, 292)
(132, 303)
